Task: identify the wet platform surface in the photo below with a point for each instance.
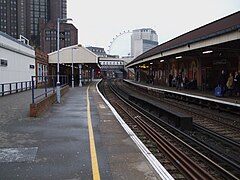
(57, 145)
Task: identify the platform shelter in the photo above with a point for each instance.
(79, 63)
(199, 55)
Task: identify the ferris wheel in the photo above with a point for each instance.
(121, 44)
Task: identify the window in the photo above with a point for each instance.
(45, 70)
(31, 66)
(3, 62)
(40, 72)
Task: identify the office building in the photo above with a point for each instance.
(143, 40)
(8, 17)
(100, 52)
(36, 18)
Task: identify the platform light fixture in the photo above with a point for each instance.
(207, 52)
(143, 66)
(64, 20)
(162, 60)
(151, 62)
(178, 57)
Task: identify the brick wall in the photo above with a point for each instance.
(37, 108)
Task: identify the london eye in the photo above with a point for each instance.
(121, 44)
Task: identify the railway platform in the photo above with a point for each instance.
(206, 96)
(81, 138)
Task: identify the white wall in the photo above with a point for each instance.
(137, 38)
(19, 58)
(137, 47)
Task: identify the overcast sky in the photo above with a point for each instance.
(99, 21)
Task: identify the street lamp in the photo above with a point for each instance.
(73, 68)
(58, 31)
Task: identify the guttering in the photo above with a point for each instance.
(4, 46)
(15, 40)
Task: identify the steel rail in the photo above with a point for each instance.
(186, 165)
(225, 172)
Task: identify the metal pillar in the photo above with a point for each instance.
(92, 74)
(72, 71)
(58, 81)
(80, 75)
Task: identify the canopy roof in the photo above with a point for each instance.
(218, 32)
(76, 54)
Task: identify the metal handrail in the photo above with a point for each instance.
(49, 83)
(14, 87)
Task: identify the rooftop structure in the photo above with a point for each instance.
(143, 40)
(98, 51)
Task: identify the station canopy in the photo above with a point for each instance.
(220, 37)
(76, 54)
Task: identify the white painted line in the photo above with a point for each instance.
(162, 172)
(9, 155)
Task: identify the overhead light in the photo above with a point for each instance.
(151, 63)
(144, 67)
(207, 52)
(178, 57)
(162, 60)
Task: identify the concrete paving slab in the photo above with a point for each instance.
(62, 138)
(8, 155)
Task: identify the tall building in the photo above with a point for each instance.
(143, 40)
(8, 17)
(36, 18)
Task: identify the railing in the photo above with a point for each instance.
(45, 85)
(14, 87)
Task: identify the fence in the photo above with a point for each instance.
(45, 85)
(14, 87)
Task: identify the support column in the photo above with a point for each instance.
(72, 76)
(84, 79)
(72, 70)
(92, 74)
(89, 76)
(139, 76)
(239, 63)
(80, 75)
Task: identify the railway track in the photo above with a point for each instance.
(225, 124)
(214, 129)
(214, 137)
(220, 123)
(153, 131)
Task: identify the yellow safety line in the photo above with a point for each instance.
(95, 170)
